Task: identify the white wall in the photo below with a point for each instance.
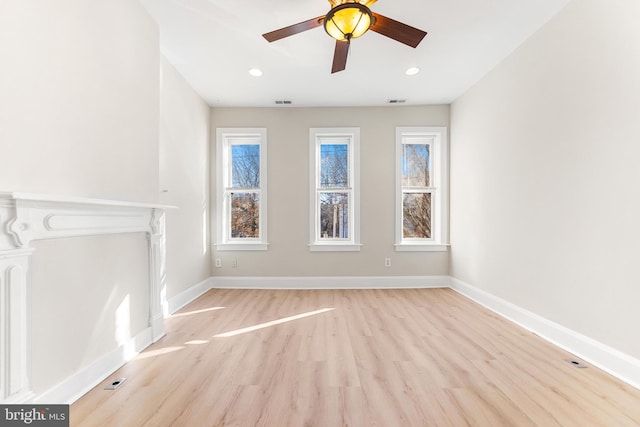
(79, 99)
(288, 177)
(184, 180)
(79, 116)
(544, 174)
(88, 298)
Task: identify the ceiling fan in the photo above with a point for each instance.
(349, 19)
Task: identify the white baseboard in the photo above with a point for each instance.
(185, 297)
(610, 360)
(72, 388)
(313, 282)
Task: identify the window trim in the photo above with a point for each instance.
(439, 189)
(223, 240)
(316, 136)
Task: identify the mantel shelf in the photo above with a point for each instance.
(67, 200)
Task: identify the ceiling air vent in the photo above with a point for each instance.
(283, 102)
(396, 101)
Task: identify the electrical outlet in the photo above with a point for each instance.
(387, 262)
(234, 263)
(218, 263)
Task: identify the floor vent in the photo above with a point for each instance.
(576, 363)
(115, 384)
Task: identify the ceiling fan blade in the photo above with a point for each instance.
(340, 56)
(398, 31)
(293, 29)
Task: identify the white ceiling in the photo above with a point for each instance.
(213, 43)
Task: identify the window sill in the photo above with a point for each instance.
(241, 246)
(333, 247)
(422, 247)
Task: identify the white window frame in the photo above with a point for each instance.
(439, 156)
(225, 138)
(317, 136)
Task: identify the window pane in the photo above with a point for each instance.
(334, 215)
(245, 215)
(416, 215)
(334, 165)
(415, 165)
(245, 170)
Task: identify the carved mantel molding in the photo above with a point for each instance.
(25, 218)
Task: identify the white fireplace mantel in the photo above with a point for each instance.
(25, 218)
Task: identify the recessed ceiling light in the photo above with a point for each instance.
(255, 72)
(412, 71)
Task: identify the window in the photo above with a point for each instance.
(241, 182)
(421, 189)
(334, 200)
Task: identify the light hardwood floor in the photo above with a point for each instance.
(426, 357)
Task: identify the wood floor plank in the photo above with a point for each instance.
(415, 357)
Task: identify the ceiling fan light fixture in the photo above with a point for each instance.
(348, 21)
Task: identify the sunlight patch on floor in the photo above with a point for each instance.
(158, 352)
(271, 323)
(196, 342)
(204, 310)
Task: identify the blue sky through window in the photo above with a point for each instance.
(334, 165)
(416, 165)
(245, 160)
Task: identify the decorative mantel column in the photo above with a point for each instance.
(28, 217)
